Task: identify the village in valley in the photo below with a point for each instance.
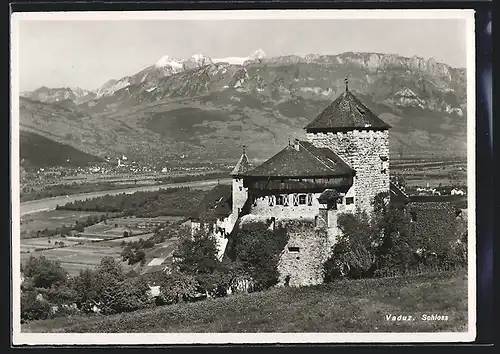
(341, 224)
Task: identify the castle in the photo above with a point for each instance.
(341, 167)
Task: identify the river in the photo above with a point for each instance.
(34, 206)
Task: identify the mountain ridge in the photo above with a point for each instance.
(212, 108)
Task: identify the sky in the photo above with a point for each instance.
(89, 53)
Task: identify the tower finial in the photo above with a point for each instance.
(346, 84)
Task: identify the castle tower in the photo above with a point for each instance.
(240, 193)
(361, 139)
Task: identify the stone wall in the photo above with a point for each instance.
(365, 151)
(301, 262)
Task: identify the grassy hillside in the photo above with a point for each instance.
(39, 151)
(344, 306)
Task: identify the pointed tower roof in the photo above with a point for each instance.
(242, 166)
(346, 113)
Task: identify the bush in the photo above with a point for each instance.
(32, 308)
(176, 287)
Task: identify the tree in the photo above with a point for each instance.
(79, 227)
(133, 294)
(86, 289)
(127, 254)
(353, 255)
(258, 249)
(45, 273)
(197, 255)
(141, 257)
(108, 280)
(396, 244)
(176, 286)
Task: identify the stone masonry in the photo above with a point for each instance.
(301, 261)
(367, 151)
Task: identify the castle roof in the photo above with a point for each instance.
(242, 166)
(302, 159)
(216, 204)
(347, 112)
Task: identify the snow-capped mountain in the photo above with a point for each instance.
(60, 94)
(167, 61)
(111, 86)
(165, 66)
(257, 54)
(207, 106)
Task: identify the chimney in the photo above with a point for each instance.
(296, 144)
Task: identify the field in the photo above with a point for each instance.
(419, 172)
(77, 256)
(53, 219)
(97, 241)
(343, 306)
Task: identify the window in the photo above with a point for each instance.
(271, 200)
(349, 200)
(241, 188)
(295, 199)
(302, 199)
(279, 200)
(293, 249)
(309, 199)
(413, 216)
(285, 200)
(384, 166)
